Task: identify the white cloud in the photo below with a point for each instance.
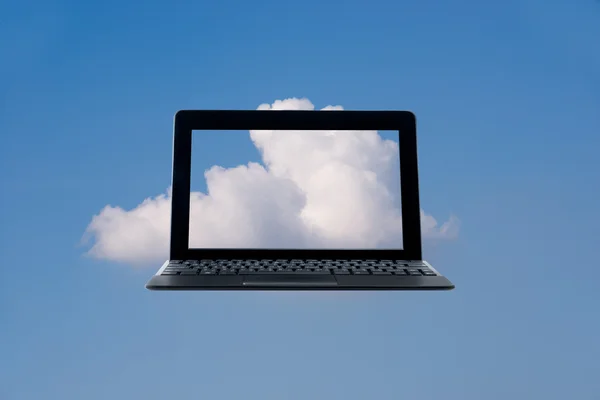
(316, 189)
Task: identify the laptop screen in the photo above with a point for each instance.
(295, 190)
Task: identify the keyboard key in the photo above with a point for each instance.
(417, 265)
(341, 272)
(322, 271)
(169, 273)
(227, 272)
(248, 272)
(361, 272)
(190, 272)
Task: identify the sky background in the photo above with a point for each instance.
(507, 97)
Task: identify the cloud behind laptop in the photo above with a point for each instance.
(315, 189)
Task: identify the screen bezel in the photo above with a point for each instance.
(186, 121)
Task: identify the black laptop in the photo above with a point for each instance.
(398, 268)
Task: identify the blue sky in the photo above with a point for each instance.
(507, 97)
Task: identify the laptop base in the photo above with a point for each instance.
(297, 281)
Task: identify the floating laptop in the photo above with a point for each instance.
(297, 268)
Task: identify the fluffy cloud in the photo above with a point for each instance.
(314, 189)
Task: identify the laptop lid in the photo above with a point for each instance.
(187, 121)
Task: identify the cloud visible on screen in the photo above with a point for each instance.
(317, 189)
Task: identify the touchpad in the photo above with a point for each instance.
(290, 280)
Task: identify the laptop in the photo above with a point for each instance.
(300, 268)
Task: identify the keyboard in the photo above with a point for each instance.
(335, 267)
